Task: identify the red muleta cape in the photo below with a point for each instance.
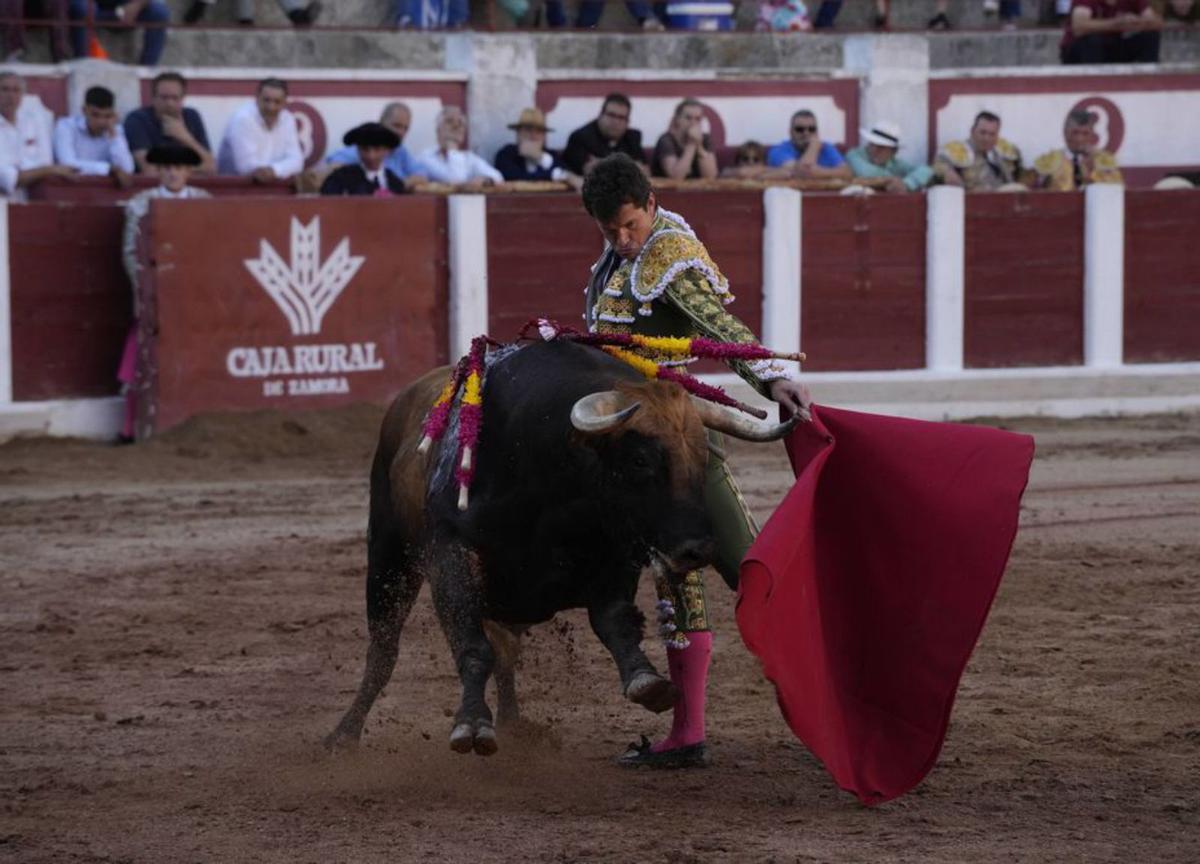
(868, 587)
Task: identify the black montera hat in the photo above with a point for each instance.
(172, 153)
(372, 135)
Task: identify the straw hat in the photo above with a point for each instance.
(531, 118)
(1173, 182)
(883, 134)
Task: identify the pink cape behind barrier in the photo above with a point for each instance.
(866, 591)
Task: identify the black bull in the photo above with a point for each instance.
(586, 472)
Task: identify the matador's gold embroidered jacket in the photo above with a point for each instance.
(672, 288)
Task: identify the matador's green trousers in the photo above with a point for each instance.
(734, 529)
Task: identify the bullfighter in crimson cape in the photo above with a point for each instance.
(655, 278)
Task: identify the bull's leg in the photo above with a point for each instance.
(618, 623)
(506, 643)
(393, 583)
(458, 598)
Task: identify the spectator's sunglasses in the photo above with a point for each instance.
(812, 128)
(615, 115)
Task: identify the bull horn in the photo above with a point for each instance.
(591, 413)
(722, 420)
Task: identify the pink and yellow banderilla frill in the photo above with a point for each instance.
(466, 380)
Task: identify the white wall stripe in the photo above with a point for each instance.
(945, 243)
(467, 217)
(1104, 275)
(781, 270)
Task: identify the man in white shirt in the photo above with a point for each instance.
(448, 162)
(262, 141)
(25, 155)
(93, 142)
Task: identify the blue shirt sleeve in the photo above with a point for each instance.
(343, 156)
(139, 130)
(829, 156)
(781, 154)
(195, 124)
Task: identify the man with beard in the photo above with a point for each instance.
(607, 134)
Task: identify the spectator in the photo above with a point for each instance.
(607, 134)
(590, 10)
(369, 175)
(430, 14)
(782, 16)
(805, 155)
(397, 117)
(92, 142)
(877, 158)
(154, 14)
(174, 163)
(167, 120)
(301, 14)
(12, 29)
(1111, 31)
(683, 152)
(1081, 162)
(262, 141)
(984, 161)
(25, 154)
(529, 159)
(448, 162)
(1184, 11)
(749, 162)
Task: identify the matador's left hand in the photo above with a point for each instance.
(791, 394)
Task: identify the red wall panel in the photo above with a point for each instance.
(1162, 276)
(863, 281)
(1024, 280)
(71, 302)
(540, 249)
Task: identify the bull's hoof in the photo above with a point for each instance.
(652, 691)
(485, 738)
(479, 737)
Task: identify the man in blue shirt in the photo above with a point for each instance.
(165, 120)
(805, 154)
(397, 117)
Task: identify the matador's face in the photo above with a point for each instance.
(628, 231)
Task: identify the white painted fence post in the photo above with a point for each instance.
(6, 370)
(1104, 275)
(945, 245)
(781, 269)
(467, 223)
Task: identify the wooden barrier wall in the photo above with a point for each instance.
(863, 281)
(1024, 280)
(70, 301)
(1162, 276)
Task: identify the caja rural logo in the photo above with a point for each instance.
(304, 289)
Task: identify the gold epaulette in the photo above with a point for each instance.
(959, 154)
(1048, 163)
(1007, 150)
(668, 254)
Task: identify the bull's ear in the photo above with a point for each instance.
(602, 412)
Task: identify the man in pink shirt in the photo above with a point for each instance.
(1111, 31)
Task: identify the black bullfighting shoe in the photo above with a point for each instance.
(641, 756)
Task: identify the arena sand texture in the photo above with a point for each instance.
(182, 621)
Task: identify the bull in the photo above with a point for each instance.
(586, 472)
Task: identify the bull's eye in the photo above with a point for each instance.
(640, 463)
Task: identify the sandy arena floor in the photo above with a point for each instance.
(181, 622)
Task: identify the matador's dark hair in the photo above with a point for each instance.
(614, 181)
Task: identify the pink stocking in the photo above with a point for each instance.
(689, 672)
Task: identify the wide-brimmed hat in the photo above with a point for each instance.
(372, 135)
(883, 134)
(531, 118)
(173, 153)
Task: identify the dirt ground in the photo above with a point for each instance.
(182, 621)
